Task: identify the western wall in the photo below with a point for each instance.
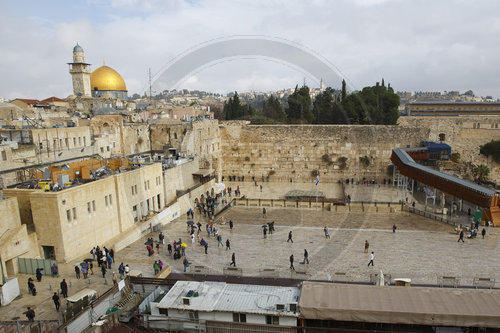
(297, 152)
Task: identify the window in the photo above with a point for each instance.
(54, 143)
(102, 149)
(239, 318)
(106, 200)
(84, 141)
(41, 145)
(175, 135)
(134, 190)
(88, 207)
(74, 213)
(66, 142)
(4, 155)
(272, 320)
(68, 215)
(110, 201)
(107, 148)
(79, 141)
(163, 311)
(114, 145)
(93, 205)
(74, 142)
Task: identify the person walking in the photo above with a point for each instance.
(206, 247)
(55, 298)
(233, 260)
(394, 228)
(367, 245)
(461, 236)
(114, 278)
(327, 232)
(291, 262)
(290, 237)
(264, 231)
(231, 224)
(31, 286)
(156, 268)
(64, 288)
(103, 270)
(306, 257)
(371, 259)
(77, 271)
(219, 240)
(186, 264)
(228, 244)
(30, 314)
(483, 232)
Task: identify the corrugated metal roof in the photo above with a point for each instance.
(208, 292)
(223, 297)
(257, 299)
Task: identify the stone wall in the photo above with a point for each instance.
(464, 134)
(297, 152)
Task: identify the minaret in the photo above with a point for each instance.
(321, 86)
(80, 72)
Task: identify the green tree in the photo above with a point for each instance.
(344, 90)
(492, 148)
(481, 173)
(323, 107)
(299, 106)
(272, 109)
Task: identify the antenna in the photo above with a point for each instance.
(150, 89)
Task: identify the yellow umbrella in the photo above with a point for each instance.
(184, 245)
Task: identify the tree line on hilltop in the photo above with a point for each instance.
(377, 105)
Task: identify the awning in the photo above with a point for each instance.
(400, 305)
(203, 172)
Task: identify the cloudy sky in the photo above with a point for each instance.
(414, 45)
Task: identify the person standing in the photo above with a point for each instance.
(367, 245)
(327, 232)
(264, 230)
(64, 288)
(161, 237)
(121, 270)
(231, 224)
(103, 270)
(55, 298)
(93, 253)
(264, 212)
(233, 260)
(228, 244)
(206, 247)
(38, 274)
(30, 314)
(461, 236)
(156, 267)
(127, 270)
(112, 254)
(186, 264)
(77, 271)
(291, 262)
(371, 259)
(290, 237)
(483, 232)
(306, 257)
(394, 228)
(114, 278)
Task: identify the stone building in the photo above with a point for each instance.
(69, 221)
(80, 72)
(15, 241)
(452, 108)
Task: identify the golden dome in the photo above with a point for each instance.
(106, 78)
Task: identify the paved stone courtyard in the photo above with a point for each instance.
(421, 249)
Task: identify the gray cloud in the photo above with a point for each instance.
(415, 45)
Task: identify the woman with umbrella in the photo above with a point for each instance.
(183, 247)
